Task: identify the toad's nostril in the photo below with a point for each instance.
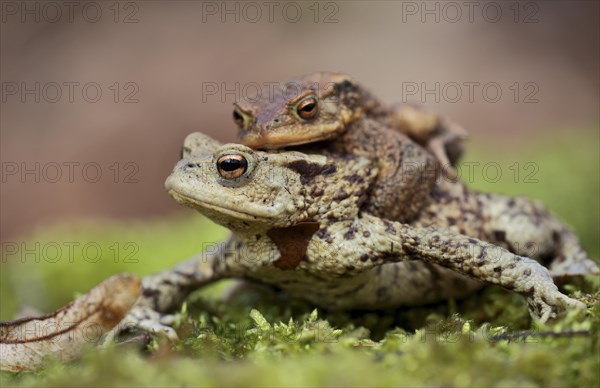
(191, 165)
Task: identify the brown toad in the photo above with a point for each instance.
(322, 105)
(334, 107)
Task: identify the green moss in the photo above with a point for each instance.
(306, 350)
(261, 338)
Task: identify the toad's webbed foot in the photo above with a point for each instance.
(548, 303)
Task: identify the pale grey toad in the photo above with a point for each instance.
(298, 223)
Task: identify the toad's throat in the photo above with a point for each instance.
(263, 214)
(292, 243)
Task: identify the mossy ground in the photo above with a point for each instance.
(261, 338)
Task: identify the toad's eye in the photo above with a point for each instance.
(307, 108)
(232, 166)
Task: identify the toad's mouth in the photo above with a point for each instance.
(253, 214)
(265, 139)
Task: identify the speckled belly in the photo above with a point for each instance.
(387, 286)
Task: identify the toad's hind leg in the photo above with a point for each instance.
(527, 228)
(442, 137)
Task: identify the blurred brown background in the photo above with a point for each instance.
(168, 51)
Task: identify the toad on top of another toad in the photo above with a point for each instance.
(322, 105)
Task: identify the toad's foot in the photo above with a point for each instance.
(447, 146)
(546, 302)
(145, 319)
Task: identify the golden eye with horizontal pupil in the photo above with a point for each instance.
(232, 166)
(307, 108)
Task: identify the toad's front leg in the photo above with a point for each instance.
(165, 290)
(392, 242)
